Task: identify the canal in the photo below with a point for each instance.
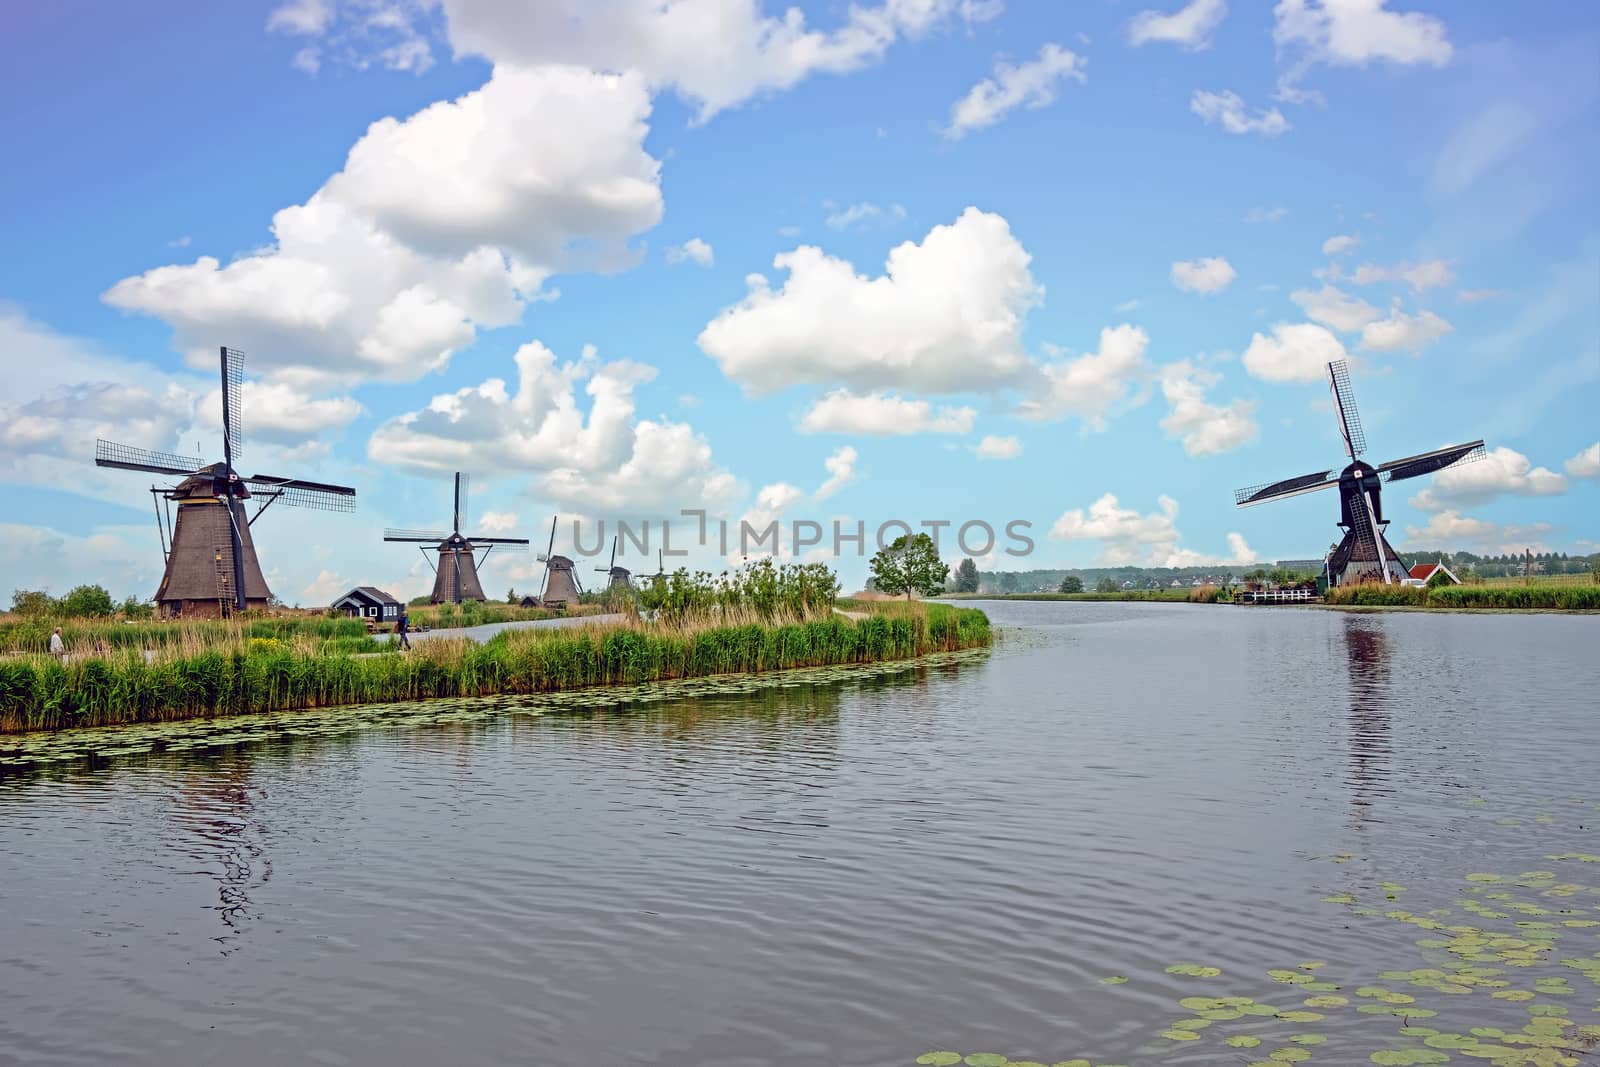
(1131, 833)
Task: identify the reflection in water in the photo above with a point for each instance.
(1367, 658)
(215, 812)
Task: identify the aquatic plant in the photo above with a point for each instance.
(124, 686)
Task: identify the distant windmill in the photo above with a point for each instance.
(616, 577)
(560, 586)
(212, 569)
(456, 577)
(1364, 553)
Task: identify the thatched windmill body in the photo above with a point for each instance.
(211, 564)
(456, 577)
(1364, 553)
(560, 586)
(616, 577)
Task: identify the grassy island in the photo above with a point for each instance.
(697, 628)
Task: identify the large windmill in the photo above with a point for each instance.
(560, 586)
(456, 576)
(212, 569)
(1364, 554)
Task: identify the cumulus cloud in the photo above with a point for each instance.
(1349, 33)
(994, 447)
(1453, 529)
(1128, 537)
(437, 225)
(1404, 333)
(1339, 244)
(496, 522)
(694, 250)
(1033, 84)
(1425, 275)
(1209, 275)
(945, 316)
(1336, 308)
(1091, 385)
(604, 459)
(844, 218)
(1503, 472)
(1190, 26)
(1298, 352)
(1586, 464)
(1227, 109)
(883, 414)
(1205, 428)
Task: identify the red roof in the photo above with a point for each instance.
(1424, 571)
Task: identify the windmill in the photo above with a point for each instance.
(560, 586)
(212, 569)
(456, 576)
(616, 577)
(1364, 554)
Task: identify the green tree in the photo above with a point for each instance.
(1107, 584)
(134, 608)
(910, 565)
(33, 602)
(511, 595)
(1007, 581)
(1070, 584)
(86, 601)
(967, 577)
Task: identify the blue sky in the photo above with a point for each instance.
(1074, 264)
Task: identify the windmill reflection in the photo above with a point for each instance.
(215, 810)
(1367, 655)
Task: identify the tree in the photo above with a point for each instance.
(910, 565)
(1007, 581)
(1071, 584)
(1107, 584)
(32, 602)
(87, 600)
(134, 608)
(511, 595)
(967, 577)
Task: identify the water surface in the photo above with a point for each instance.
(850, 873)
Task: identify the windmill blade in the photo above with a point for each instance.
(129, 458)
(1306, 483)
(544, 582)
(299, 493)
(1397, 470)
(463, 484)
(608, 568)
(505, 544)
(419, 536)
(1344, 403)
(232, 404)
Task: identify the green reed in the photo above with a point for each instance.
(1538, 597)
(42, 693)
(82, 635)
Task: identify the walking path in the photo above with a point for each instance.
(488, 630)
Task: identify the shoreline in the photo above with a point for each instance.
(43, 695)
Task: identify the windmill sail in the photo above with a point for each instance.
(1430, 462)
(299, 493)
(1344, 403)
(232, 404)
(127, 457)
(1305, 483)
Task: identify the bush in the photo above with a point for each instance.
(87, 601)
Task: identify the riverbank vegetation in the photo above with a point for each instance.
(1547, 597)
(181, 679)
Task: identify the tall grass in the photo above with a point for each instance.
(41, 693)
(1549, 597)
(82, 635)
(769, 591)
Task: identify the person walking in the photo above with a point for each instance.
(58, 647)
(403, 628)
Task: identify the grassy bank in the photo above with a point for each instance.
(41, 693)
(85, 636)
(1552, 597)
(1188, 595)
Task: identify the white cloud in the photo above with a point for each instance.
(1190, 26)
(180, 242)
(307, 60)
(281, 413)
(1477, 296)
(882, 414)
(1209, 275)
(1586, 464)
(1127, 306)
(496, 522)
(1351, 33)
(946, 316)
(1258, 215)
(843, 218)
(1227, 109)
(1091, 385)
(605, 460)
(694, 250)
(1205, 428)
(1333, 307)
(1503, 472)
(1033, 84)
(301, 16)
(993, 447)
(358, 32)
(1450, 530)
(1425, 275)
(437, 225)
(1339, 243)
(123, 559)
(1127, 537)
(670, 41)
(841, 468)
(1404, 333)
(1298, 352)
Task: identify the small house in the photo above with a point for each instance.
(1424, 573)
(370, 603)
